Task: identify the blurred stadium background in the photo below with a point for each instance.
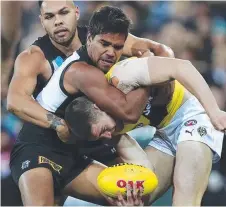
(194, 30)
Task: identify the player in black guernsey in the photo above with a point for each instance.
(35, 66)
(40, 161)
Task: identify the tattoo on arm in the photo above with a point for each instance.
(54, 121)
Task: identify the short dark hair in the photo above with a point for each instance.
(79, 115)
(109, 19)
(40, 3)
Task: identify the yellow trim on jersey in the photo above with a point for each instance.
(174, 104)
(143, 121)
(108, 74)
(172, 108)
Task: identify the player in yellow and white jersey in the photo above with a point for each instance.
(186, 141)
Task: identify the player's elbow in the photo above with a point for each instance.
(12, 104)
(132, 118)
(11, 107)
(166, 51)
(126, 114)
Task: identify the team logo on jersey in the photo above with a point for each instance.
(25, 164)
(190, 122)
(202, 131)
(57, 62)
(55, 166)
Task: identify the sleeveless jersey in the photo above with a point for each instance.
(54, 56)
(54, 97)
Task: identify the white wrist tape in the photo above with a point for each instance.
(131, 73)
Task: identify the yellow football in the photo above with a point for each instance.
(114, 179)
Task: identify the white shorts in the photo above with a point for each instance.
(190, 123)
(143, 135)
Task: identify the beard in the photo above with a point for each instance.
(64, 41)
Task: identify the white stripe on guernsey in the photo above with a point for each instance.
(51, 97)
(55, 65)
(74, 56)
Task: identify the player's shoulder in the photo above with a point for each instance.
(31, 61)
(42, 41)
(32, 52)
(79, 65)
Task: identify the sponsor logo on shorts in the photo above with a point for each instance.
(25, 164)
(189, 132)
(202, 131)
(55, 166)
(191, 122)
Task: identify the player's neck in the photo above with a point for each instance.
(74, 45)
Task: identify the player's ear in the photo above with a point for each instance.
(77, 12)
(89, 39)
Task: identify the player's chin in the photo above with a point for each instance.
(105, 67)
(62, 40)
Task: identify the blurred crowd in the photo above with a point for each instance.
(194, 30)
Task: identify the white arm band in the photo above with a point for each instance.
(131, 73)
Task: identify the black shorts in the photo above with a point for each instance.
(223, 157)
(62, 160)
(63, 166)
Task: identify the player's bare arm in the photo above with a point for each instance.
(130, 151)
(135, 46)
(29, 64)
(92, 82)
(192, 80)
(161, 69)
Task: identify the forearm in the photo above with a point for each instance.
(193, 81)
(92, 82)
(127, 108)
(164, 69)
(159, 49)
(135, 46)
(136, 102)
(131, 152)
(29, 110)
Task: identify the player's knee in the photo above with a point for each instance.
(194, 157)
(183, 186)
(39, 202)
